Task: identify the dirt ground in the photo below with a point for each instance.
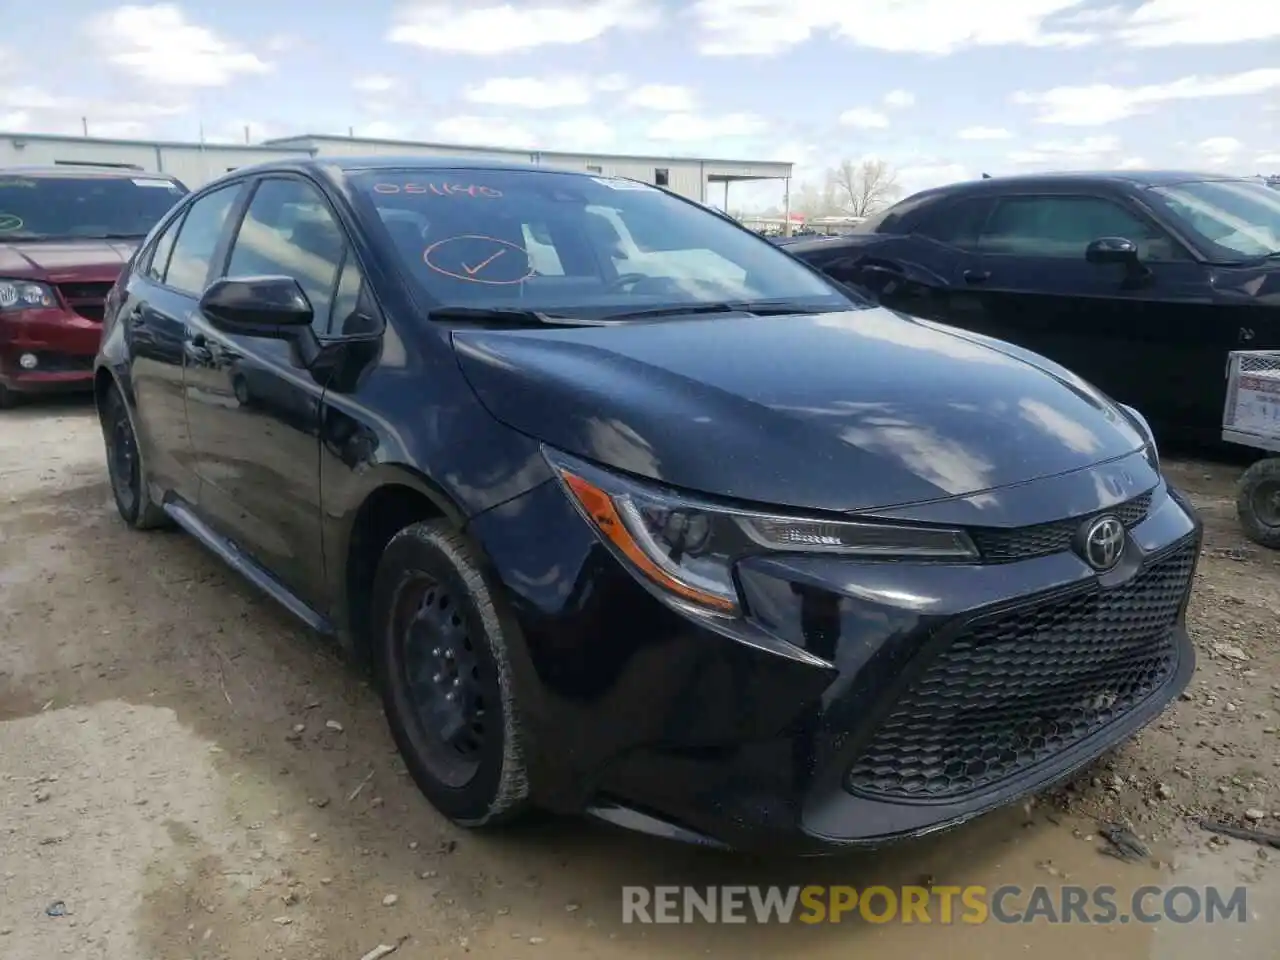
(186, 773)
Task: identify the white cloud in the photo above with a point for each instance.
(1167, 23)
(582, 133)
(915, 177)
(1219, 151)
(662, 96)
(1069, 152)
(531, 93)
(984, 133)
(763, 27)
(899, 99)
(864, 118)
(612, 83)
(374, 83)
(483, 132)
(1101, 103)
(159, 45)
(383, 130)
(33, 108)
(1267, 158)
(504, 27)
(691, 127)
(1221, 146)
(1133, 163)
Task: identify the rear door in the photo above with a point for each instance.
(1132, 334)
(162, 295)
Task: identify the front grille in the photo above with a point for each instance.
(86, 299)
(1013, 690)
(1023, 543)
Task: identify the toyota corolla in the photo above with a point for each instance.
(632, 514)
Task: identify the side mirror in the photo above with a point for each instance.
(273, 307)
(1112, 250)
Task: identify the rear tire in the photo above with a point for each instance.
(9, 398)
(441, 657)
(1258, 502)
(124, 467)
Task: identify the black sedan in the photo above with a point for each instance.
(1140, 282)
(632, 514)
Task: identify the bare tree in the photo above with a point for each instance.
(861, 188)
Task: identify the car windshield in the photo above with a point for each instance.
(1233, 219)
(71, 207)
(566, 243)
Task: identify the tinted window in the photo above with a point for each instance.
(161, 251)
(958, 223)
(289, 230)
(556, 241)
(1231, 218)
(36, 208)
(1065, 226)
(198, 240)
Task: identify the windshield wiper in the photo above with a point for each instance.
(510, 315)
(756, 308)
(107, 236)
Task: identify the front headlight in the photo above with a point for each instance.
(25, 295)
(685, 549)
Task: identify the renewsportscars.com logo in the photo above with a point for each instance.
(936, 905)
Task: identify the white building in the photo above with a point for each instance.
(702, 179)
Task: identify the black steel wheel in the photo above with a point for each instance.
(443, 664)
(124, 466)
(1258, 502)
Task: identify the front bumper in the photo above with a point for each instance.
(925, 695)
(63, 343)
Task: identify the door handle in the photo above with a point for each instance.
(197, 350)
(976, 276)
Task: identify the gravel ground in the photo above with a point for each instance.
(185, 773)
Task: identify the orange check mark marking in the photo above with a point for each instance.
(472, 271)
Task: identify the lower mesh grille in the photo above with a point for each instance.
(1014, 690)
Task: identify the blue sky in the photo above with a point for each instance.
(940, 89)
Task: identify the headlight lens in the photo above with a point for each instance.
(25, 295)
(686, 549)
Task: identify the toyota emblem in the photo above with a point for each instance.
(1103, 542)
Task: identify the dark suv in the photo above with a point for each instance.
(65, 232)
(634, 514)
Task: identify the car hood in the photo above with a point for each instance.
(65, 259)
(839, 411)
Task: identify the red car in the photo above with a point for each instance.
(65, 234)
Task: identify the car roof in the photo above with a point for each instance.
(78, 172)
(339, 167)
(1136, 179)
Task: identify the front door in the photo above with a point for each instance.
(254, 410)
(1131, 333)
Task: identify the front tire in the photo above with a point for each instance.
(9, 398)
(442, 661)
(124, 467)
